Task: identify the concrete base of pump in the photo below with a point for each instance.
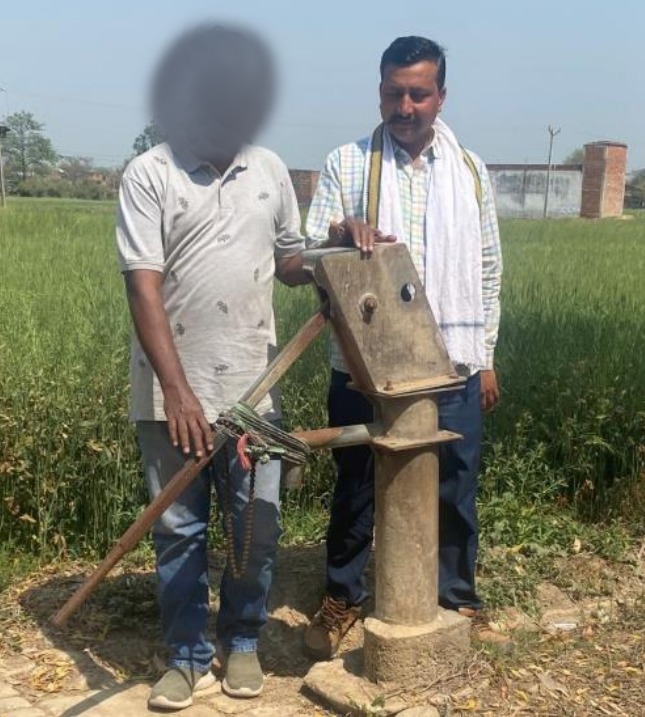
(415, 654)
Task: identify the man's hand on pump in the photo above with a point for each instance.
(354, 232)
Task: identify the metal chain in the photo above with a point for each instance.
(264, 440)
(238, 569)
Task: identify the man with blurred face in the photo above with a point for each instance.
(206, 220)
(412, 181)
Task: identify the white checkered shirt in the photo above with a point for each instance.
(340, 194)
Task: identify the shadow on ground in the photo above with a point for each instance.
(116, 637)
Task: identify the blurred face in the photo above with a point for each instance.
(214, 94)
(410, 102)
(225, 108)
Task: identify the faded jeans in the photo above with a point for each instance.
(180, 544)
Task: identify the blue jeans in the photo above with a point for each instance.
(351, 525)
(180, 544)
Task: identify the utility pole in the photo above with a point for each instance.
(553, 131)
(3, 133)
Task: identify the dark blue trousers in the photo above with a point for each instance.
(351, 525)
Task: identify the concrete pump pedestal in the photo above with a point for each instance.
(415, 654)
(397, 358)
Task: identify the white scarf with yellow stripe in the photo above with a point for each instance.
(453, 256)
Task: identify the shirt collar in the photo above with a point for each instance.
(191, 163)
(429, 153)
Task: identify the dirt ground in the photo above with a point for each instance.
(582, 652)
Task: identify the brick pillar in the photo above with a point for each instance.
(313, 179)
(304, 182)
(603, 180)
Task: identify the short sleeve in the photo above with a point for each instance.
(289, 240)
(139, 227)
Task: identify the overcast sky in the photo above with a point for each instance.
(513, 68)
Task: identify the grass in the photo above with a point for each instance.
(570, 349)
(68, 461)
(564, 452)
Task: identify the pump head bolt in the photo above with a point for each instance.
(370, 304)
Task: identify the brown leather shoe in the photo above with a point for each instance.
(329, 626)
(482, 630)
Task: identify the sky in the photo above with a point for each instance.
(513, 68)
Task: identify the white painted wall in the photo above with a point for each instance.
(519, 191)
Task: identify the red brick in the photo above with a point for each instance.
(603, 182)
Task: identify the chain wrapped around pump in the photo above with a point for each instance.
(258, 440)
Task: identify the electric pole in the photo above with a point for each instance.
(6, 102)
(553, 131)
(3, 133)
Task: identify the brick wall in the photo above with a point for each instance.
(603, 182)
(304, 182)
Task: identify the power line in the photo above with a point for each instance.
(140, 108)
(95, 155)
(76, 100)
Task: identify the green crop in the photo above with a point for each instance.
(568, 433)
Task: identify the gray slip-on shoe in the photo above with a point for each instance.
(174, 691)
(244, 676)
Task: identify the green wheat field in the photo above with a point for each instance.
(564, 452)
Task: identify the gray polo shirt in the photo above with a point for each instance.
(215, 239)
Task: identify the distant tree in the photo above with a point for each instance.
(111, 177)
(149, 138)
(73, 177)
(575, 157)
(635, 190)
(76, 169)
(28, 150)
(638, 177)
